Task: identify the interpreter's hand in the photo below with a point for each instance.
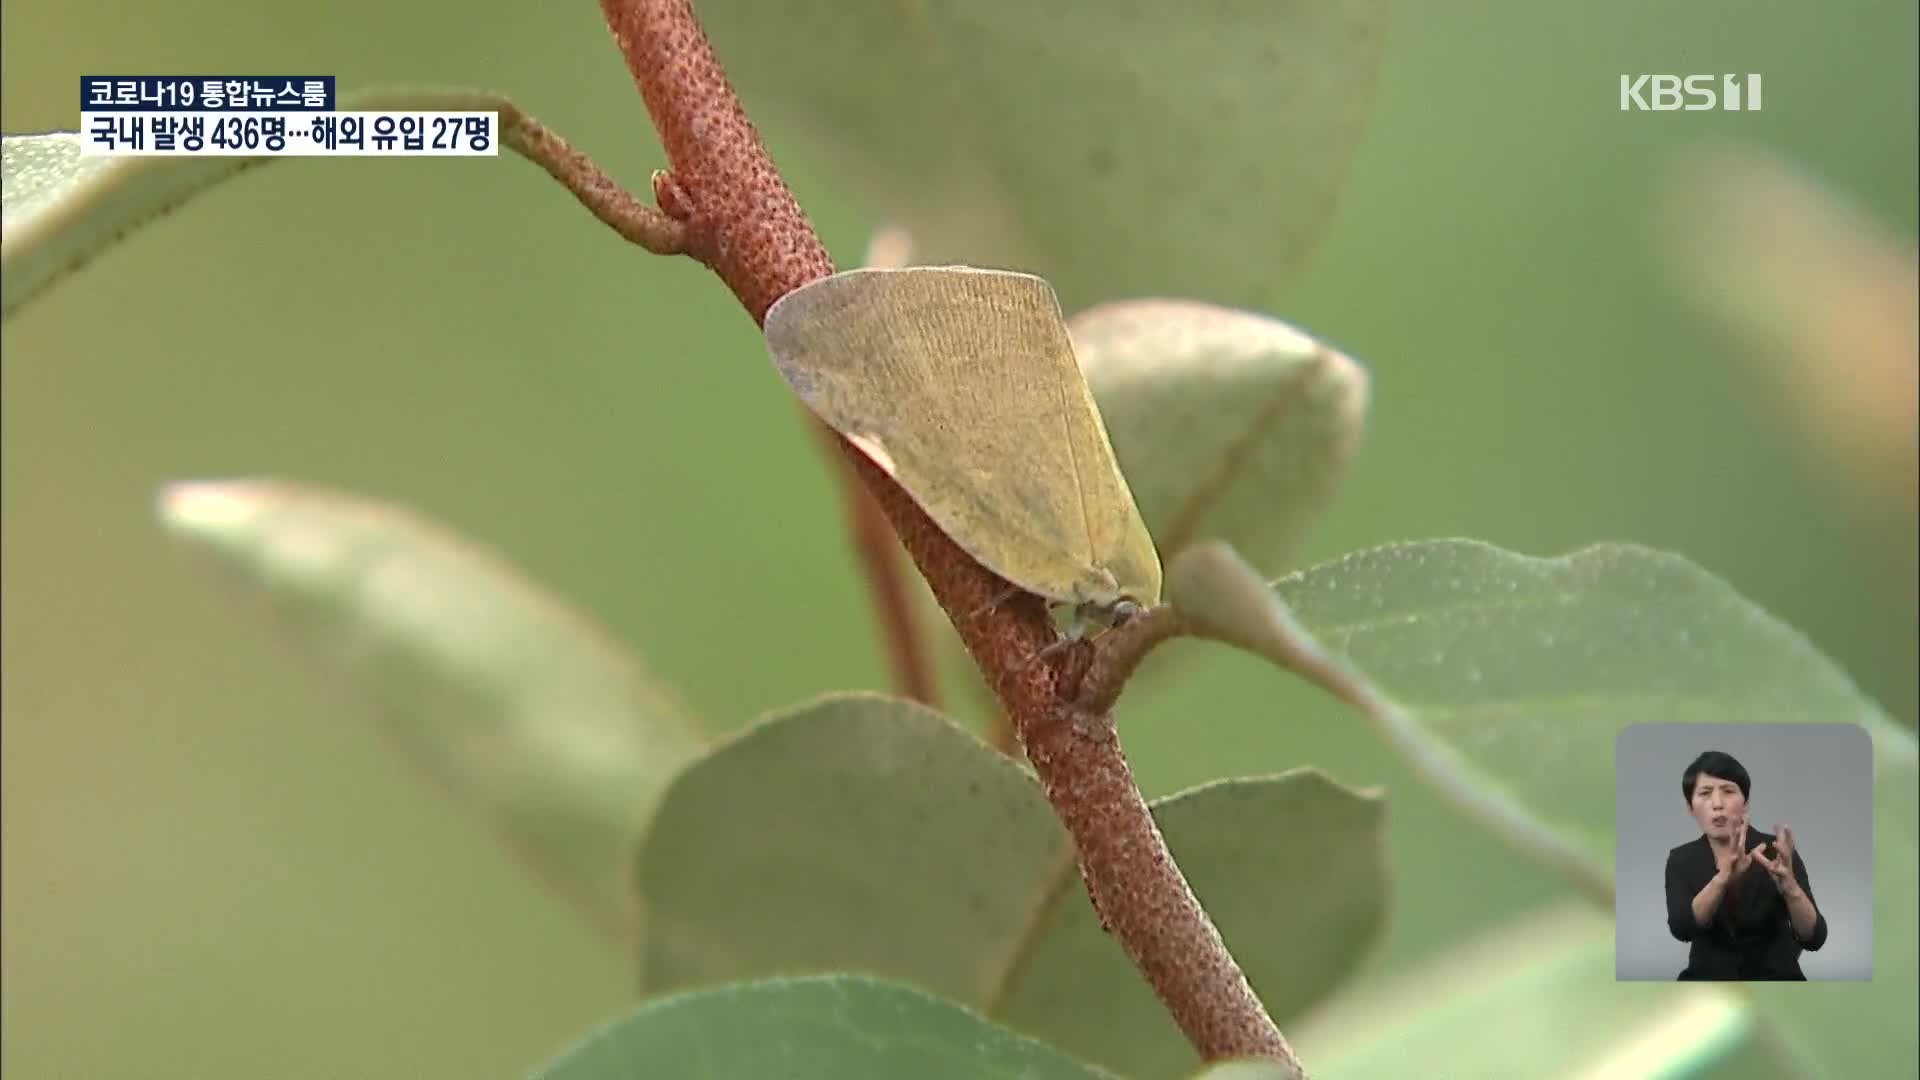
(1734, 859)
(1780, 866)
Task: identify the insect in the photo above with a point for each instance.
(961, 384)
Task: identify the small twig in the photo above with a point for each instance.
(744, 223)
(1120, 650)
(598, 192)
(601, 194)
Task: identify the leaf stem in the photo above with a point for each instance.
(743, 222)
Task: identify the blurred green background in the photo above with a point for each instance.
(211, 866)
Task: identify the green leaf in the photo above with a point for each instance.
(60, 210)
(1151, 149)
(834, 1027)
(1505, 681)
(1511, 676)
(501, 693)
(1537, 1000)
(860, 833)
(1229, 425)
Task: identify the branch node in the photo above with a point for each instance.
(672, 198)
(601, 194)
(1120, 650)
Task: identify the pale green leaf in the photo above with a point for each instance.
(61, 209)
(1505, 681)
(1119, 151)
(1229, 425)
(501, 693)
(839, 1027)
(1537, 1000)
(1512, 676)
(865, 834)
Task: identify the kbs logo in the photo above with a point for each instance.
(1694, 93)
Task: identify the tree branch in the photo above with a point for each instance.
(1142, 897)
(744, 223)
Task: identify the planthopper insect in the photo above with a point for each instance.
(961, 384)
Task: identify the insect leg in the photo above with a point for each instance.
(994, 603)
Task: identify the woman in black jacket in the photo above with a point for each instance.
(1739, 897)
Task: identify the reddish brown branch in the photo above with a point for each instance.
(1142, 896)
(743, 222)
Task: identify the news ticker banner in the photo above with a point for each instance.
(263, 116)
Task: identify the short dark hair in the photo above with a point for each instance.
(1715, 763)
